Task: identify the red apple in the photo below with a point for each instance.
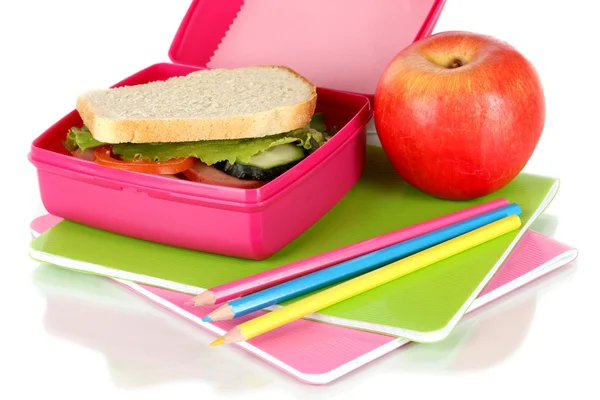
(459, 114)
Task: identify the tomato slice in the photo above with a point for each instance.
(201, 172)
(103, 156)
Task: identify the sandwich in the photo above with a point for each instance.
(239, 127)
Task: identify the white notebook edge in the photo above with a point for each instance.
(109, 272)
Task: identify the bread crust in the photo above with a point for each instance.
(270, 122)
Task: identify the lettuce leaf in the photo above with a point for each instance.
(80, 138)
(310, 137)
(213, 151)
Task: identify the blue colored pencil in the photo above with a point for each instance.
(354, 267)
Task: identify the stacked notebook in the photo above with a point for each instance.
(424, 306)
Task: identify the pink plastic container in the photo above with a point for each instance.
(248, 223)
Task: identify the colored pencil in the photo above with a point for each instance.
(263, 280)
(301, 308)
(354, 267)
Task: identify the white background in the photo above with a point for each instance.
(73, 336)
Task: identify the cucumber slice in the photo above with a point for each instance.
(267, 165)
(249, 172)
(277, 156)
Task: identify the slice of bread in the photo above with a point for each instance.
(213, 104)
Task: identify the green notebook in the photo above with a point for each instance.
(423, 306)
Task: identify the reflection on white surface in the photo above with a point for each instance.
(144, 345)
(487, 336)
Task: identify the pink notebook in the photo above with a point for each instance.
(317, 353)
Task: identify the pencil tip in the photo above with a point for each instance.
(220, 314)
(206, 298)
(218, 342)
(206, 318)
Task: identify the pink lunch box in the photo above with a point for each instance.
(251, 223)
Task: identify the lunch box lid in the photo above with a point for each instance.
(337, 44)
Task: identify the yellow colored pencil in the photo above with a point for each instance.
(368, 281)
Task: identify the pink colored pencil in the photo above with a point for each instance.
(263, 280)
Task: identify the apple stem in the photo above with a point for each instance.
(455, 63)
